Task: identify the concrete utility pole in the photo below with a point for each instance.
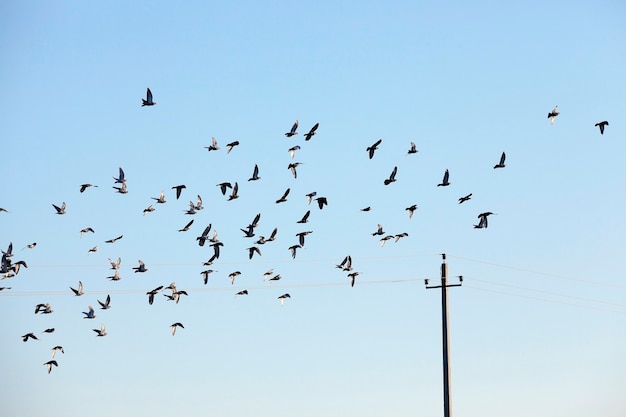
(446, 333)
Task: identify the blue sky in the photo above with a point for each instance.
(537, 327)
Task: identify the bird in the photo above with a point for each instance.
(60, 210)
(148, 101)
(106, 304)
(223, 186)
(115, 264)
(305, 218)
(160, 199)
(187, 226)
(292, 132)
(292, 150)
(283, 297)
(251, 250)
(152, 293)
(249, 231)
(198, 205)
(121, 179)
(274, 278)
(86, 230)
(284, 196)
(352, 277)
(83, 187)
(115, 276)
(483, 224)
(301, 236)
(255, 221)
(101, 332)
(267, 274)
(255, 174)
(445, 182)
(214, 146)
(412, 149)
(148, 209)
(272, 235)
(78, 292)
(400, 236)
(216, 251)
(293, 250)
(3, 210)
(234, 193)
(91, 314)
(311, 133)
(392, 176)
(30, 245)
(310, 196)
(233, 275)
(49, 365)
(141, 267)
(601, 125)
(43, 308)
(292, 167)
(373, 148)
(174, 326)
(49, 330)
(501, 163)
(243, 292)
(346, 264)
(93, 250)
(366, 209)
(231, 145)
(465, 198)
(552, 115)
(122, 189)
(29, 336)
(205, 275)
(379, 230)
(411, 210)
(321, 202)
(384, 240)
(59, 348)
(179, 190)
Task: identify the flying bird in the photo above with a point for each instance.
(400, 236)
(179, 189)
(115, 264)
(411, 210)
(385, 239)
(232, 276)
(93, 250)
(230, 146)
(49, 330)
(293, 250)
(148, 209)
(445, 182)
(601, 126)
(305, 218)
(101, 332)
(412, 149)
(106, 304)
(282, 298)
(86, 230)
(121, 177)
(59, 348)
(148, 100)
(501, 163)
(198, 205)
(552, 115)
(292, 167)
(321, 202)
(301, 236)
(43, 308)
(122, 189)
(483, 224)
(83, 187)
(352, 277)
(78, 292)
(90, 314)
(223, 186)
(311, 133)
(292, 132)
(267, 274)
(30, 245)
(274, 278)
(49, 365)
(60, 210)
(292, 150)
(234, 193)
(160, 199)
(379, 231)
(465, 198)
(205, 275)
(214, 146)
(284, 196)
(346, 264)
(174, 326)
(392, 176)
(368, 208)
(152, 293)
(141, 267)
(310, 196)
(29, 336)
(243, 292)
(373, 148)
(255, 174)
(251, 250)
(186, 228)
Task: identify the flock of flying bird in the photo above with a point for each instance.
(10, 268)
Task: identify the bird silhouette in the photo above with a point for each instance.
(284, 196)
(292, 132)
(148, 100)
(213, 146)
(86, 230)
(186, 228)
(501, 163)
(352, 277)
(121, 177)
(179, 189)
(122, 189)
(305, 218)
(204, 236)
(60, 210)
(412, 149)
(392, 176)
(311, 133)
(152, 293)
(160, 199)
(293, 249)
(49, 365)
(373, 148)
(283, 297)
(552, 115)
(83, 187)
(233, 275)
(234, 193)
(321, 202)
(465, 198)
(301, 236)
(57, 348)
(141, 267)
(601, 125)
(29, 336)
(231, 145)
(251, 251)
(90, 314)
(346, 264)
(292, 167)
(224, 186)
(292, 150)
(445, 182)
(148, 209)
(101, 332)
(379, 231)
(255, 174)
(79, 291)
(411, 210)
(174, 326)
(106, 304)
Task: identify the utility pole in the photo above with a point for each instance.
(445, 331)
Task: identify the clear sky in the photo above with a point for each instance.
(537, 327)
